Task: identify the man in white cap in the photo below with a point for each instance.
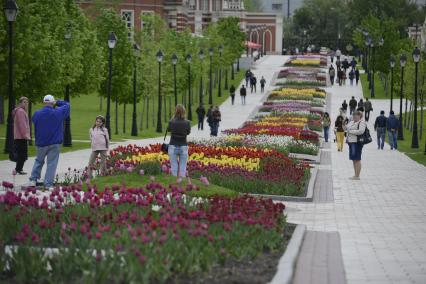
(49, 132)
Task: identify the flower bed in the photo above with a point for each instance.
(297, 94)
(143, 235)
(307, 61)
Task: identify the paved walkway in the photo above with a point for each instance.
(381, 219)
(233, 116)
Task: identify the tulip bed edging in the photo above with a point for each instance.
(287, 264)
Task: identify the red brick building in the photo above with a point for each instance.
(263, 28)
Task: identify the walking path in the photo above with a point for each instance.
(232, 117)
(381, 219)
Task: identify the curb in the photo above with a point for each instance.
(309, 192)
(287, 264)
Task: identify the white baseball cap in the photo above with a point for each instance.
(48, 99)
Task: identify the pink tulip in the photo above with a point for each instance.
(141, 172)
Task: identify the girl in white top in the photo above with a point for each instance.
(100, 142)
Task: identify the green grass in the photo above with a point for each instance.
(136, 180)
(379, 90)
(84, 109)
(404, 146)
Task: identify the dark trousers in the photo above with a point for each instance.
(21, 150)
(247, 81)
(351, 110)
(262, 88)
(214, 128)
(367, 115)
(332, 80)
(232, 99)
(201, 122)
(253, 87)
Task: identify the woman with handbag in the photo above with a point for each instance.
(355, 128)
(100, 143)
(179, 128)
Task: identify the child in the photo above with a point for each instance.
(100, 141)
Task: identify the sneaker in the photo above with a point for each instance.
(22, 173)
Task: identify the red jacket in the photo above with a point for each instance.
(21, 125)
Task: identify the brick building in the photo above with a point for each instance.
(262, 28)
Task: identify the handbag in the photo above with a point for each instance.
(165, 146)
(364, 138)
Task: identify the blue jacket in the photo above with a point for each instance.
(392, 123)
(49, 124)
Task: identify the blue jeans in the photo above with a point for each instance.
(326, 130)
(52, 154)
(393, 136)
(180, 152)
(381, 131)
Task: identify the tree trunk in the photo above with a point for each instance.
(141, 116)
(153, 111)
(170, 107)
(165, 108)
(100, 104)
(421, 106)
(226, 79)
(124, 118)
(405, 118)
(1, 109)
(147, 112)
(116, 115)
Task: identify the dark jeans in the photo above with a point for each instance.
(332, 80)
(393, 138)
(201, 122)
(381, 131)
(214, 128)
(232, 99)
(247, 81)
(326, 130)
(21, 150)
(367, 115)
(351, 110)
(253, 87)
(262, 88)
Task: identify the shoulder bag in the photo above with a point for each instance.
(364, 138)
(165, 146)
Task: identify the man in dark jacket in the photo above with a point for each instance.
(368, 107)
(380, 127)
(201, 113)
(232, 91)
(49, 133)
(253, 82)
(262, 84)
(356, 76)
(352, 105)
(248, 77)
(392, 126)
(243, 93)
(210, 116)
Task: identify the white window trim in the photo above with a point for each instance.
(145, 12)
(131, 29)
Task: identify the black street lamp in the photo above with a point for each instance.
(67, 125)
(392, 65)
(220, 71)
(134, 121)
(10, 11)
(402, 61)
(210, 75)
(201, 56)
(112, 40)
(174, 62)
(416, 58)
(381, 42)
(188, 60)
(160, 56)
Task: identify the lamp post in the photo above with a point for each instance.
(188, 60)
(415, 139)
(160, 56)
(201, 57)
(112, 40)
(402, 61)
(210, 77)
(381, 42)
(392, 65)
(219, 92)
(10, 11)
(67, 125)
(137, 50)
(174, 61)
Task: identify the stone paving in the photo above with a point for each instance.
(381, 219)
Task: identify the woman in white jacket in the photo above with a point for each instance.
(355, 128)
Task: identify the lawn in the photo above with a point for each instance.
(417, 155)
(134, 180)
(84, 109)
(379, 88)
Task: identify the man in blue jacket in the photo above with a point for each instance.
(49, 132)
(392, 125)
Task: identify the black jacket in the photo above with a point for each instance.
(380, 122)
(243, 92)
(353, 103)
(179, 129)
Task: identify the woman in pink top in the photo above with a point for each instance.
(100, 143)
(21, 135)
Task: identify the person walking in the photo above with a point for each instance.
(368, 107)
(353, 63)
(179, 129)
(351, 77)
(332, 74)
(345, 106)
(201, 114)
(262, 84)
(99, 139)
(326, 125)
(243, 93)
(339, 129)
(361, 104)
(392, 126)
(232, 91)
(344, 77)
(352, 105)
(253, 82)
(248, 77)
(210, 116)
(49, 134)
(216, 120)
(356, 76)
(21, 135)
(355, 128)
(380, 128)
(340, 76)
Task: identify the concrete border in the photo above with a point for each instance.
(287, 264)
(315, 159)
(309, 191)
